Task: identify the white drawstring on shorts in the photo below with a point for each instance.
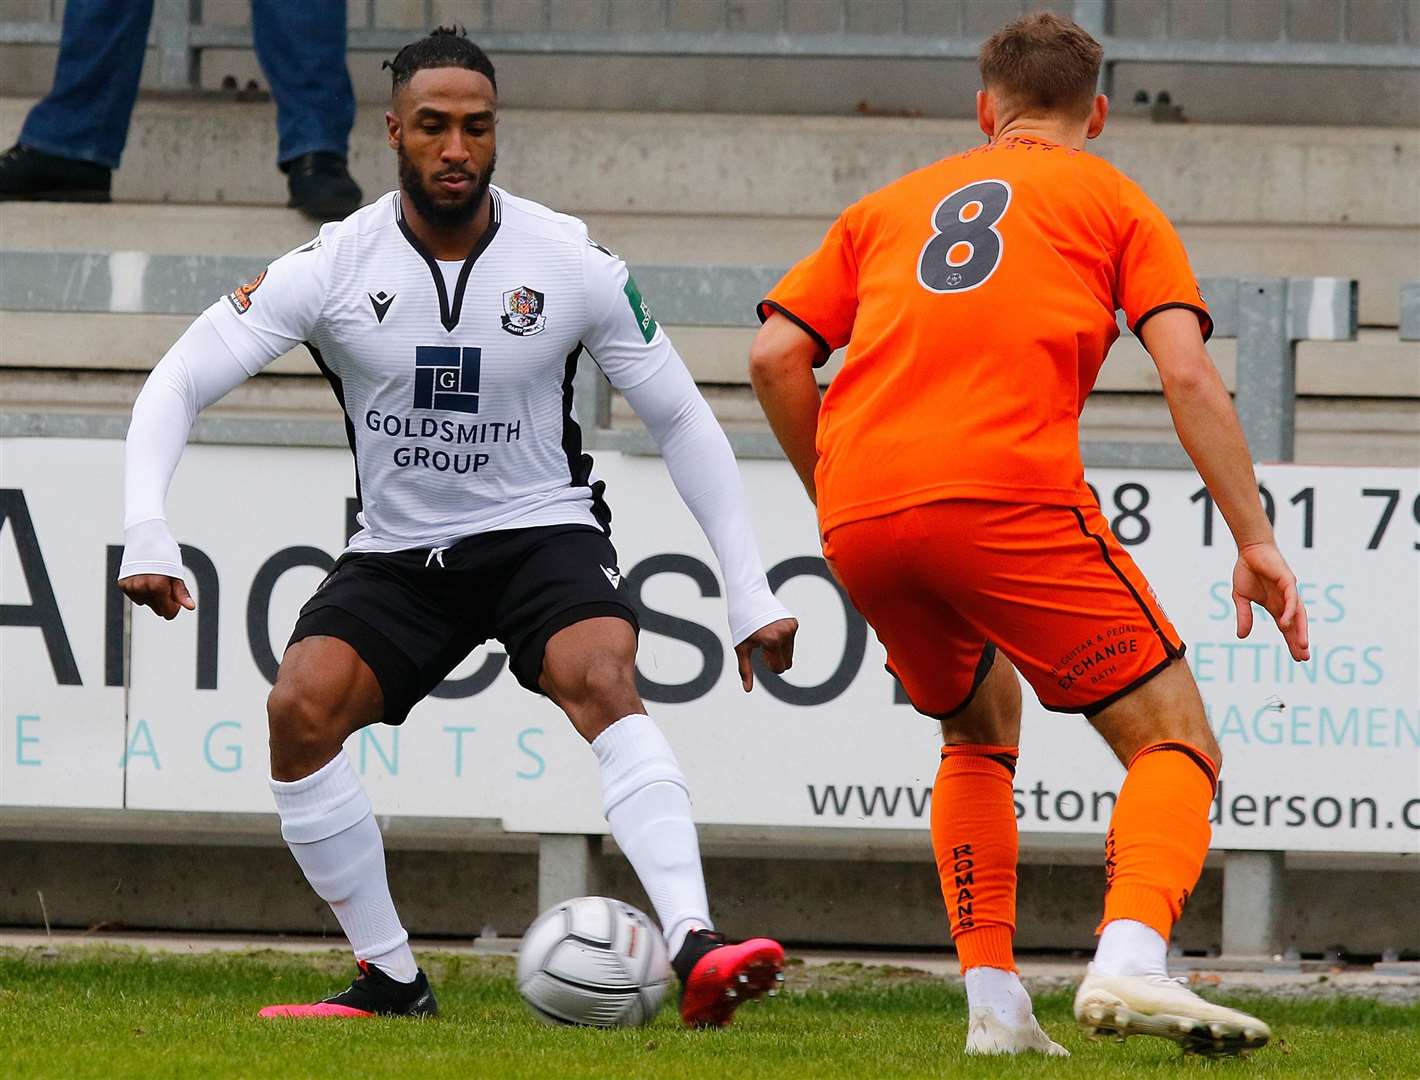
(436, 554)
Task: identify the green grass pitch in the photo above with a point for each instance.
(118, 1013)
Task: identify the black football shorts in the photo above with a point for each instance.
(413, 616)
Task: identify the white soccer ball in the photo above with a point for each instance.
(593, 962)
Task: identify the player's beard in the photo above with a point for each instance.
(438, 211)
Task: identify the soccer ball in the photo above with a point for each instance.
(593, 962)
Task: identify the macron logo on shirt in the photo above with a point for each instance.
(381, 302)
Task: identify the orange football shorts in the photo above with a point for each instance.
(947, 583)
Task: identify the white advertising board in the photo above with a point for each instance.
(61, 684)
(1319, 756)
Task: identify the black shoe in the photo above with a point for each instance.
(31, 175)
(696, 944)
(321, 186)
(373, 993)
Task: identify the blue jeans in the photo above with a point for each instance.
(300, 45)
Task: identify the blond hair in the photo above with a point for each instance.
(1043, 62)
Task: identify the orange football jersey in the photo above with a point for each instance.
(977, 301)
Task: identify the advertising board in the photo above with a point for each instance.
(1318, 756)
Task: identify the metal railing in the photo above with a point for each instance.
(1410, 311)
(1267, 316)
(1347, 33)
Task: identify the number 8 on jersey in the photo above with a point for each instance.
(965, 247)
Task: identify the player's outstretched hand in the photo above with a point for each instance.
(165, 595)
(777, 641)
(1262, 576)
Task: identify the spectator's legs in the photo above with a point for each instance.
(85, 115)
(301, 48)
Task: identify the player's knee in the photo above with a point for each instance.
(994, 714)
(605, 681)
(299, 724)
(597, 692)
(1187, 719)
(1005, 698)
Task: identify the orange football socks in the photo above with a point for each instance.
(1158, 835)
(974, 838)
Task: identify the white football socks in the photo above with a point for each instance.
(1128, 947)
(327, 822)
(647, 805)
(1001, 992)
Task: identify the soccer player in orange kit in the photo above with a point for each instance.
(976, 298)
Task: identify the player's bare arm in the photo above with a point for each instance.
(781, 369)
(1209, 430)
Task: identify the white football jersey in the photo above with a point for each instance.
(456, 380)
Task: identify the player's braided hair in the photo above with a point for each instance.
(446, 46)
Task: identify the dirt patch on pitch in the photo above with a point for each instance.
(824, 978)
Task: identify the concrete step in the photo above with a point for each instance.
(111, 394)
(179, 229)
(1331, 431)
(1356, 431)
(1380, 258)
(1377, 364)
(842, 85)
(200, 150)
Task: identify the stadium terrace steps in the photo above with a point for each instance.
(689, 237)
(194, 149)
(1365, 431)
(1370, 431)
(1379, 257)
(698, 189)
(1376, 365)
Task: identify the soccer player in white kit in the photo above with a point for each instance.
(449, 317)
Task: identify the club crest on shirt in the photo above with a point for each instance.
(240, 297)
(522, 312)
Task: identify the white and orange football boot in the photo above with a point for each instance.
(1124, 1005)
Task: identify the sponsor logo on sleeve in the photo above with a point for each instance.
(240, 297)
(644, 322)
(522, 312)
